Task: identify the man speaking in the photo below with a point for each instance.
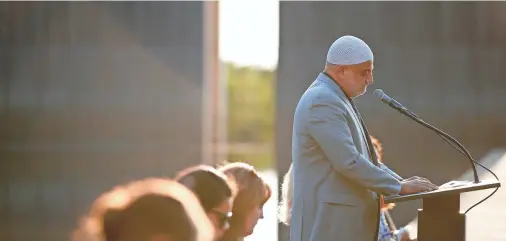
(337, 178)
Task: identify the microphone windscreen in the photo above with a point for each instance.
(378, 93)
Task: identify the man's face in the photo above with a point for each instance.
(358, 77)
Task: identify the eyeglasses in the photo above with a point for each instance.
(223, 218)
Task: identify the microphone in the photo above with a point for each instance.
(378, 93)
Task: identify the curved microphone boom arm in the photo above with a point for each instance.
(396, 105)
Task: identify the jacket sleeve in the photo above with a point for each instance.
(389, 171)
(329, 128)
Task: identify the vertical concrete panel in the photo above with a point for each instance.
(94, 94)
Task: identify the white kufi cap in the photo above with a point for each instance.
(349, 50)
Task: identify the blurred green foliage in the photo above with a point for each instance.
(251, 109)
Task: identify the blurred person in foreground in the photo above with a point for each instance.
(215, 192)
(387, 228)
(146, 210)
(253, 192)
(338, 181)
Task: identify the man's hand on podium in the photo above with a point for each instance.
(415, 185)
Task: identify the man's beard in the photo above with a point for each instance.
(359, 93)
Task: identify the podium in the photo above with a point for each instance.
(440, 218)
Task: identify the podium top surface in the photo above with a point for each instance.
(446, 189)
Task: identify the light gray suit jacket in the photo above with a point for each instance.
(335, 182)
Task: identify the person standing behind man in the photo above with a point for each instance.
(337, 178)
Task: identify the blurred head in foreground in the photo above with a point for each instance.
(146, 210)
(215, 191)
(253, 193)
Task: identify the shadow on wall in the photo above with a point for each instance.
(86, 105)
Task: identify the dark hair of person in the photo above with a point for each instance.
(210, 186)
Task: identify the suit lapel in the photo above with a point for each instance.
(354, 114)
(356, 118)
(370, 147)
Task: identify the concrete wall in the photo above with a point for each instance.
(91, 95)
(443, 60)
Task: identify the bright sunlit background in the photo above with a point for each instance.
(249, 32)
(249, 40)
